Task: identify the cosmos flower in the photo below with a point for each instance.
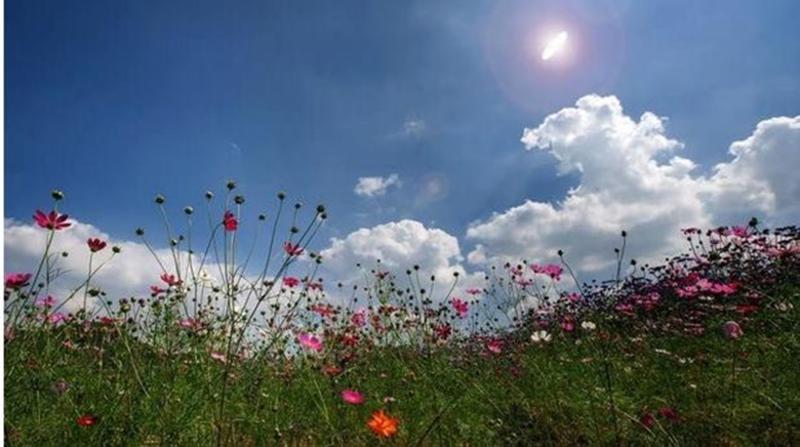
(170, 280)
(383, 424)
(230, 222)
(310, 341)
(17, 280)
(95, 244)
(359, 318)
(292, 249)
(46, 302)
(460, 306)
(474, 291)
(352, 397)
(552, 270)
(495, 346)
(86, 420)
(732, 330)
(588, 326)
(540, 337)
(290, 281)
(669, 414)
(51, 221)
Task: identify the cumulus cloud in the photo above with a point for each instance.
(375, 186)
(129, 273)
(399, 246)
(632, 179)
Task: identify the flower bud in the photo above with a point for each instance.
(57, 194)
(160, 199)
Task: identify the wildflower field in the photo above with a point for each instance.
(231, 348)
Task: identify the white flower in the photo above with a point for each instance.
(540, 337)
(205, 279)
(588, 326)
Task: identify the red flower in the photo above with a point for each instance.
(155, 290)
(291, 281)
(95, 244)
(230, 222)
(647, 420)
(17, 280)
(443, 331)
(292, 250)
(87, 420)
(669, 414)
(170, 280)
(52, 221)
(383, 424)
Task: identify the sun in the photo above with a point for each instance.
(555, 46)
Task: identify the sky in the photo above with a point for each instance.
(432, 130)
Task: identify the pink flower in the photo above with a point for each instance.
(737, 232)
(219, 356)
(170, 280)
(474, 291)
(574, 297)
(310, 341)
(352, 397)
(568, 324)
(732, 330)
(155, 290)
(290, 281)
(17, 280)
(95, 245)
(292, 250)
(56, 318)
(359, 318)
(323, 310)
(552, 270)
(495, 346)
(190, 323)
(46, 302)
(230, 222)
(461, 307)
(51, 221)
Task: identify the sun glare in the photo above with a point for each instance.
(555, 46)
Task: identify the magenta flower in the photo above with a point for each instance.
(292, 249)
(51, 221)
(352, 397)
(460, 306)
(310, 341)
(170, 280)
(568, 324)
(574, 297)
(732, 330)
(230, 222)
(474, 291)
(552, 270)
(669, 414)
(290, 281)
(219, 356)
(17, 280)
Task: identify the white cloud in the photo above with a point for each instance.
(630, 178)
(129, 273)
(375, 186)
(399, 246)
(414, 127)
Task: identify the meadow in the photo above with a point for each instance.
(227, 349)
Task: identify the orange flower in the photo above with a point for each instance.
(382, 424)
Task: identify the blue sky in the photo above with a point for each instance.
(114, 102)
